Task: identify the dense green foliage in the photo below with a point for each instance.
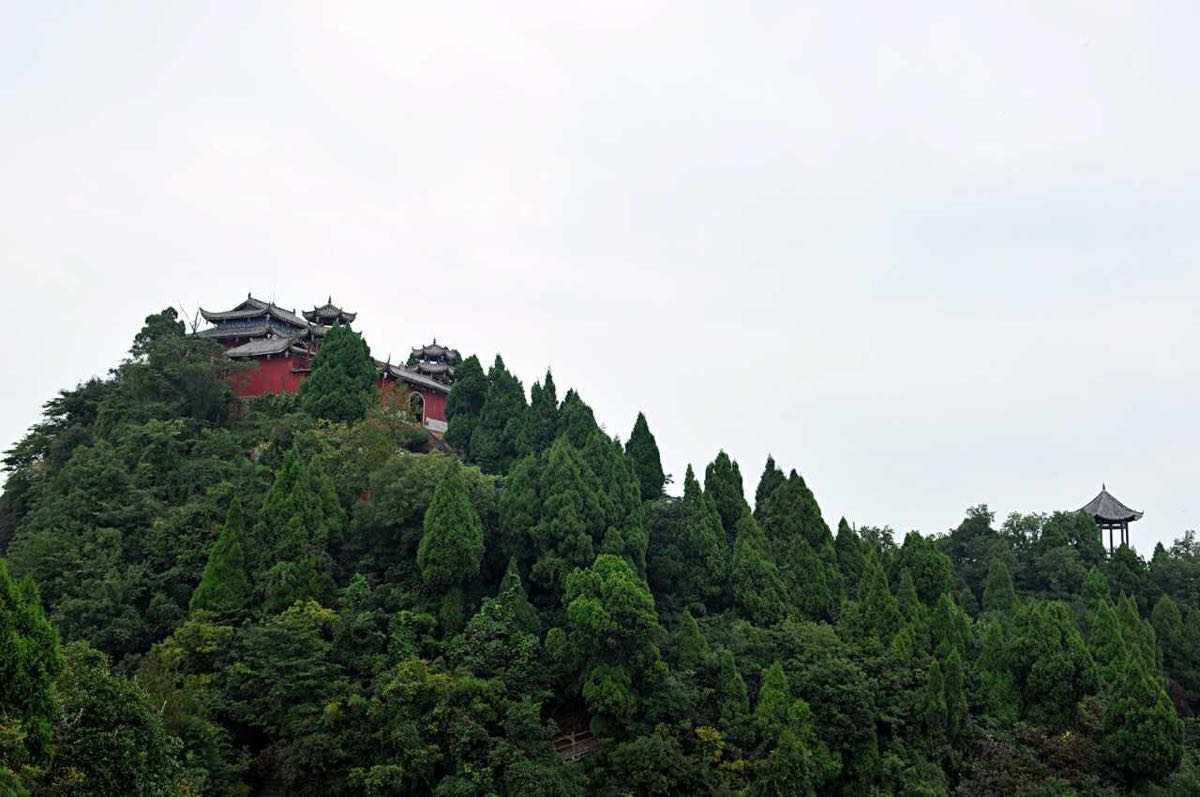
(341, 386)
(282, 598)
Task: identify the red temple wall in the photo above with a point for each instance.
(435, 405)
(278, 376)
(270, 376)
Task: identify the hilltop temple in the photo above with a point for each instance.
(281, 345)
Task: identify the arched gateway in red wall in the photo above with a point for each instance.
(282, 345)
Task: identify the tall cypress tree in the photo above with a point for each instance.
(451, 547)
(1143, 734)
(494, 441)
(342, 385)
(733, 701)
(770, 481)
(998, 593)
(772, 704)
(576, 420)
(225, 586)
(723, 483)
(758, 589)
(541, 418)
(850, 557)
(563, 537)
(643, 450)
(701, 545)
(464, 405)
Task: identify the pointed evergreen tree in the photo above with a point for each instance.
(464, 405)
(997, 692)
(772, 704)
(998, 593)
(541, 418)
(723, 484)
(225, 586)
(770, 481)
(691, 648)
(576, 420)
(1169, 631)
(880, 611)
(516, 602)
(494, 440)
(955, 676)
(1095, 589)
(851, 557)
(701, 545)
(934, 713)
(733, 699)
(642, 449)
(1143, 734)
(758, 590)
(342, 385)
(1107, 645)
(1138, 634)
(563, 537)
(451, 547)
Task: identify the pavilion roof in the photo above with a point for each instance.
(1104, 507)
(254, 308)
(329, 313)
(435, 351)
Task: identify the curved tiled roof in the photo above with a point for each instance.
(411, 377)
(264, 346)
(253, 308)
(1104, 507)
(329, 312)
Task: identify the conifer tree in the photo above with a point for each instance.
(701, 545)
(1107, 645)
(800, 763)
(343, 381)
(464, 405)
(1169, 631)
(541, 418)
(562, 537)
(691, 648)
(909, 602)
(934, 713)
(723, 483)
(758, 590)
(30, 659)
(1095, 589)
(770, 481)
(1138, 634)
(1143, 734)
(733, 699)
(955, 676)
(998, 593)
(451, 546)
(772, 704)
(642, 449)
(880, 611)
(997, 691)
(225, 586)
(850, 557)
(516, 602)
(494, 445)
(576, 420)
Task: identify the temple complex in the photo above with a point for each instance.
(281, 346)
(1109, 513)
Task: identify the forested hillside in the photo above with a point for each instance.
(305, 595)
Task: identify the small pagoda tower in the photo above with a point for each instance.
(1109, 513)
(329, 315)
(435, 361)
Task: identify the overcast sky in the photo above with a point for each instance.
(930, 254)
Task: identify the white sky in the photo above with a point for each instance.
(931, 254)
